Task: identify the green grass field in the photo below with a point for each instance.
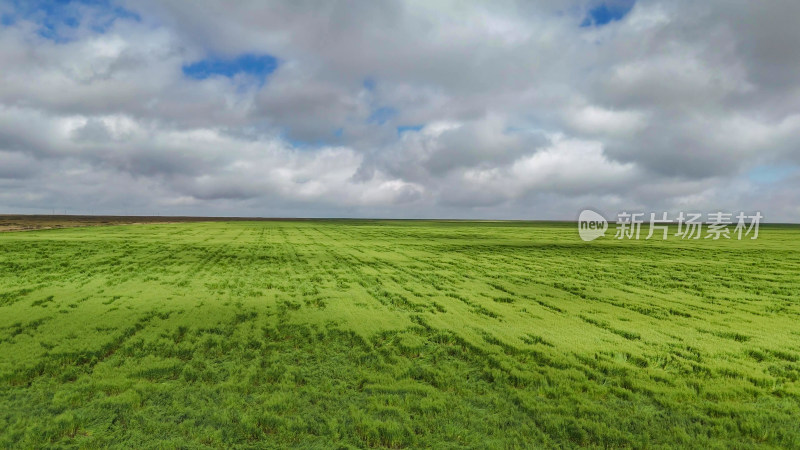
(396, 334)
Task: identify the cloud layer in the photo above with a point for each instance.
(521, 110)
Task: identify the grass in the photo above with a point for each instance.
(396, 334)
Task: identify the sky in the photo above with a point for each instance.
(400, 109)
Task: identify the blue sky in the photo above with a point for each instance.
(604, 13)
(258, 66)
(771, 174)
(59, 19)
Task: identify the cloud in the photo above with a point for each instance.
(567, 167)
(397, 108)
(17, 166)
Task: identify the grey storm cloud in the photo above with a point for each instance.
(402, 108)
